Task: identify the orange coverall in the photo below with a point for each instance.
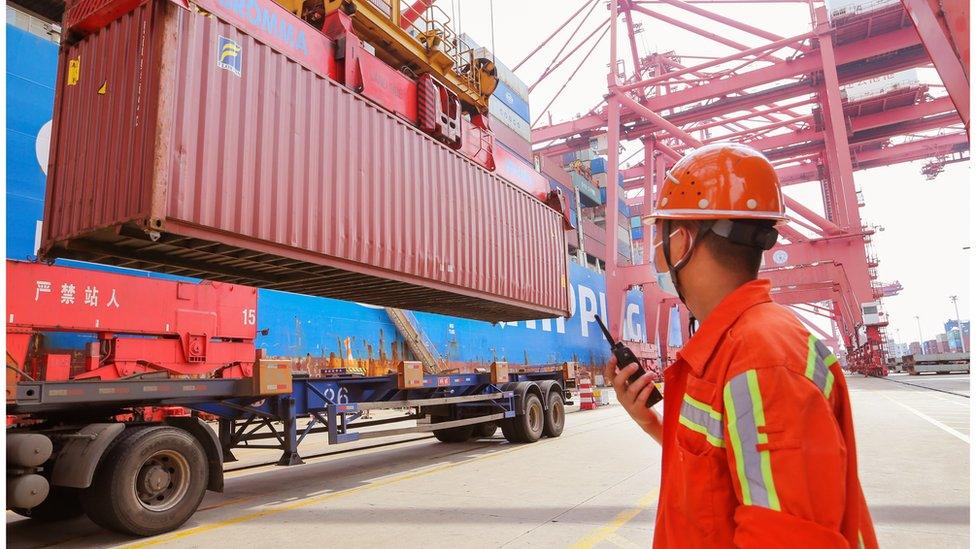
(758, 436)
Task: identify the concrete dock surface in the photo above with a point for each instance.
(595, 486)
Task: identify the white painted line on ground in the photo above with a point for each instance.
(931, 420)
(956, 402)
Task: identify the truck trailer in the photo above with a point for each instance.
(79, 439)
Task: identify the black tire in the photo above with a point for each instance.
(149, 482)
(61, 504)
(555, 415)
(455, 434)
(485, 430)
(528, 426)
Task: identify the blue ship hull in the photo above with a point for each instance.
(314, 329)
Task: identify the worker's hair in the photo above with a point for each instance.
(736, 257)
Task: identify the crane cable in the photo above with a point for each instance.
(491, 17)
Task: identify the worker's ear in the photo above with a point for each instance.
(683, 240)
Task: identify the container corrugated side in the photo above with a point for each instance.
(280, 178)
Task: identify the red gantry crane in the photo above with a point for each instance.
(783, 95)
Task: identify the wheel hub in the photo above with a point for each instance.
(535, 418)
(155, 479)
(162, 481)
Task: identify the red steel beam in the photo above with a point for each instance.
(772, 37)
(808, 63)
(732, 57)
(894, 154)
(656, 118)
(923, 116)
(944, 57)
(841, 201)
(900, 114)
(691, 28)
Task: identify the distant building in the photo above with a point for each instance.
(915, 348)
(930, 347)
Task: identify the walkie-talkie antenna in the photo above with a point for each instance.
(606, 332)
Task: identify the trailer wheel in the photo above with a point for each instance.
(555, 415)
(485, 430)
(528, 426)
(60, 504)
(149, 483)
(455, 434)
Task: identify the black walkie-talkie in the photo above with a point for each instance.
(626, 357)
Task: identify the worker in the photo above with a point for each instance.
(757, 434)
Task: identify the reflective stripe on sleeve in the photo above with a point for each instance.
(701, 418)
(744, 406)
(860, 540)
(819, 360)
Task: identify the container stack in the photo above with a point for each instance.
(587, 171)
(509, 105)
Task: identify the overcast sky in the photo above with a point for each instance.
(926, 223)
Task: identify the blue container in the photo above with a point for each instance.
(598, 165)
(509, 97)
(637, 233)
(635, 222)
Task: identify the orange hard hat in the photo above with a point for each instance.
(721, 181)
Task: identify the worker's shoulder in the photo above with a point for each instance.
(767, 335)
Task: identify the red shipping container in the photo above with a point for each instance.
(210, 142)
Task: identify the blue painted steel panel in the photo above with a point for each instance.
(510, 98)
(303, 326)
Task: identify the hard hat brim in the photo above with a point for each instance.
(689, 214)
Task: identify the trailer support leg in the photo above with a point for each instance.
(225, 432)
(290, 455)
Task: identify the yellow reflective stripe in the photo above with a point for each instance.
(762, 438)
(819, 360)
(811, 356)
(860, 540)
(702, 406)
(717, 442)
(746, 418)
(733, 423)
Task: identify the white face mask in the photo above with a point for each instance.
(665, 283)
(664, 280)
